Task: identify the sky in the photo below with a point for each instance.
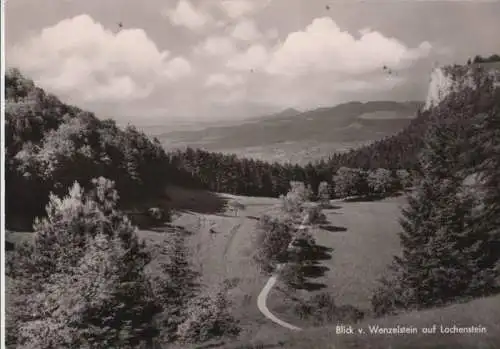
(160, 60)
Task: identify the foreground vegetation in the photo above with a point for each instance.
(82, 283)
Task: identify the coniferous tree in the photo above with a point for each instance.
(447, 254)
(82, 282)
(176, 286)
(485, 154)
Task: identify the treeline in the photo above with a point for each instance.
(49, 145)
(227, 173)
(480, 59)
(450, 228)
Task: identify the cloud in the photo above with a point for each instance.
(324, 47)
(78, 57)
(241, 8)
(216, 46)
(237, 8)
(272, 33)
(177, 68)
(246, 30)
(254, 57)
(224, 80)
(186, 15)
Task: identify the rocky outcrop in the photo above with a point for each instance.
(448, 79)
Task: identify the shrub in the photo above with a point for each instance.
(321, 308)
(235, 206)
(272, 242)
(207, 317)
(350, 182)
(380, 181)
(324, 193)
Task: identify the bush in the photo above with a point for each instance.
(207, 318)
(321, 308)
(350, 182)
(404, 178)
(272, 242)
(235, 206)
(314, 214)
(380, 182)
(324, 193)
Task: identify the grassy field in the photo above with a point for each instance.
(363, 236)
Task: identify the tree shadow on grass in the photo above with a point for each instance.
(310, 286)
(310, 272)
(315, 253)
(307, 265)
(196, 200)
(314, 271)
(331, 207)
(373, 197)
(171, 229)
(332, 228)
(367, 198)
(228, 215)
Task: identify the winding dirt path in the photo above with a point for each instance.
(232, 234)
(262, 299)
(261, 304)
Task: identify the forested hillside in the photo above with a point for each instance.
(50, 145)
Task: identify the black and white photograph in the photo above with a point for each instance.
(250, 174)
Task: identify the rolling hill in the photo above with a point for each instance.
(300, 137)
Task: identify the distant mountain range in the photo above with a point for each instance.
(301, 135)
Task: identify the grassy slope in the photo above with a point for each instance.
(364, 238)
(227, 254)
(484, 312)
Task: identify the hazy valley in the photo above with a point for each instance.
(294, 136)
